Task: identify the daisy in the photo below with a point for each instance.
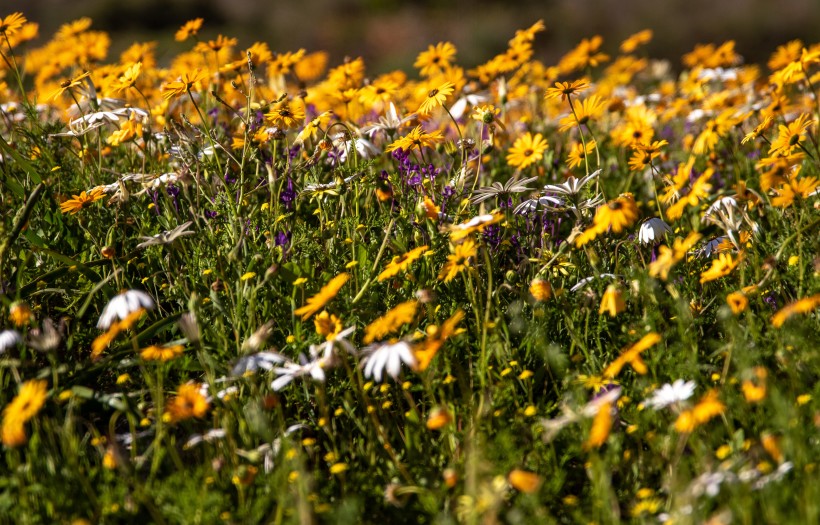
(436, 97)
(669, 394)
(249, 364)
(290, 371)
(318, 301)
(652, 231)
(387, 356)
(527, 150)
(122, 305)
(78, 202)
(166, 237)
(8, 338)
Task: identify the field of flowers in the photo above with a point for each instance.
(246, 286)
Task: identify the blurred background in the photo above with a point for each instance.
(390, 33)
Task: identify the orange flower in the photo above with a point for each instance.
(708, 407)
(523, 481)
(802, 306)
(612, 302)
(318, 301)
(632, 356)
(601, 425)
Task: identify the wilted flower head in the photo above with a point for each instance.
(122, 305)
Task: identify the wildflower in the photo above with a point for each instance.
(184, 84)
(318, 301)
(668, 257)
(285, 115)
(795, 187)
(417, 138)
(391, 321)
(721, 267)
(612, 302)
(123, 305)
(645, 153)
(523, 481)
(400, 263)
(188, 29)
(188, 403)
(20, 314)
(476, 224)
(290, 371)
(84, 199)
(670, 394)
(67, 84)
(458, 261)
(540, 289)
(601, 425)
(616, 214)
(526, 150)
(167, 237)
(708, 407)
(801, 306)
(632, 356)
(501, 191)
(161, 353)
(12, 23)
(426, 350)
(636, 40)
(579, 152)
(590, 108)
(652, 230)
(436, 59)
(22, 408)
(439, 417)
(737, 301)
(567, 89)
(790, 136)
(387, 356)
(249, 364)
(755, 390)
(8, 338)
(436, 97)
(488, 115)
(327, 325)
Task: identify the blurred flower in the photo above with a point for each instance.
(123, 305)
(188, 403)
(436, 59)
(708, 407)
(387, 356)
(22, 408)
(184, 84)
(401, 262)
(632, 356)
(540, 289)
(188, 29)
(670, 394)
(524, 481)
(391, 321)
(721, 267)
(612, 301)
(161, 353)
(251, 363)
(439, 417)
(601, 425)
(20, 314)
(502, 191)
(737, 301)
(167, 237)
(318, 301)
(8, 338)
(801, 306)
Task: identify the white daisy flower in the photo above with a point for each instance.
(251, 363)
(8, 338)
(122, 305)
(652, 231)
(291, 371)
(669, 394)
(387, 356)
